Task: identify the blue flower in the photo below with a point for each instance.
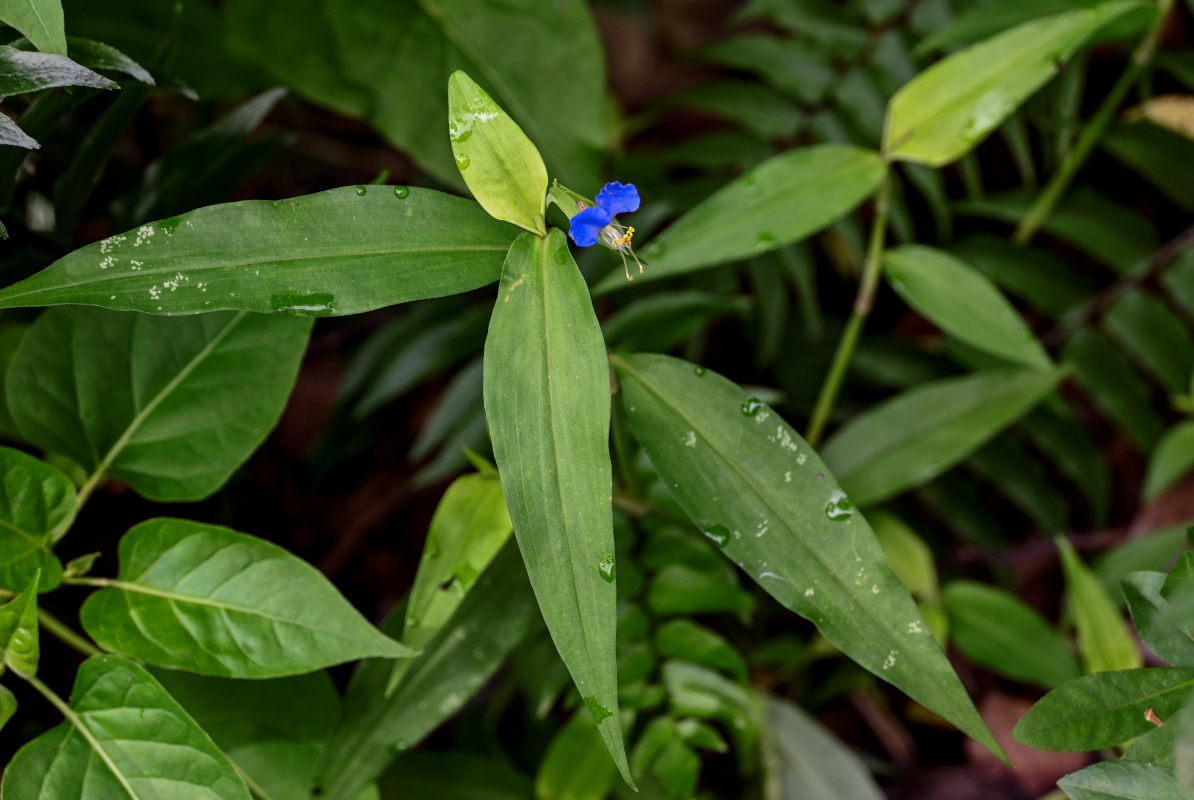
(594, 223)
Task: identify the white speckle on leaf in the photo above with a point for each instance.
(874, 589)
(788, 476)
(690, 439)
(144, 234)
(809, 592)
(762, 416)
(914, 627)
(889, 662)
(800, 459)
(106, 262)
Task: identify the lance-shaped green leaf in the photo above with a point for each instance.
(18, 631)
(11, 134)
(1121, 780)
(1105, 641)
(341, 251)
(1172, 458)
(762, 495)
(8, 706)
(273, 740)
(805, 760)
(500, 165)
(22, 71)
(913, 437)
(169, 405)
(1000, 631)
(1104, 709)
(547, 402)
(375, 725)
(963, 302)
(38, 503)
(124, 738)
(780, 201)
(39, 20)
(213, 601)
(942, 113)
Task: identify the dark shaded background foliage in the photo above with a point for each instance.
(341, 490)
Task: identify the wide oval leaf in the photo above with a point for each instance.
(761, 494)
(499, 163)
(915, 436)
(547, 402)
(1104, 709)
(124, 738)
(210, 600)
(963, 302)
(37, 504)
(341, 251)
(1122, 780)
(780, 201)
(169, 405)
(942, 113)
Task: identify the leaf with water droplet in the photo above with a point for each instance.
(838, 507)
(942, 113)
(718, 534)
(361, 191)
(608, 568)
(401, 192)
(699, 370)
(751, 406)
(829, 569)
(500, 165)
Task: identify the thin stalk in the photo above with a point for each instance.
(864, 301)
(87, 488)
(64, 633)
(1092, 132)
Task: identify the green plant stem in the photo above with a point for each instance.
(63, 632)
(1092, 132)
(864, 301)
(87, 488)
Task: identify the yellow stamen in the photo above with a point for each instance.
(624, 240)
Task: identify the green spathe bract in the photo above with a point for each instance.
(547, 402)
(500, 165)
(787, 524)
(335, 252)
(213, 601)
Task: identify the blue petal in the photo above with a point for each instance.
(588, 224)
(618, 198)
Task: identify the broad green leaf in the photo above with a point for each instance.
(695, 691)
(1172, 458)
(760, 493)
(22, 72)
(8, 706)
(946, 110)
(1000, 631)
(1163, 156)
(547, 402)
(36, 506)
(1104, 709)
(39, 20)
(805, 760)
(1171, 639)
(100, 55)
(1104, 639)
(216, 602)
(124, 738)
(273, 731)
(688, 641)
(963, 303)
(576, 766)
(1116, 388)
(907, 440)
(499, 163)
(1121, 780)
(388, 61)
(19, 644)
(1154, 336)
(374, 725)
(780, 201)
(681, 589)
(169, 405)
(341, 251)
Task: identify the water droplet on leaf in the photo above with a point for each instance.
(839, 507)
(751, 406)
(318, 304)
(401, 192)
(765, 242)
(608, 568)
(700, 371)
(598, 711)
(361, 191)
(462, 161)
(719, 535)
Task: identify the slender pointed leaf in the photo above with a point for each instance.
(22, 72)
(8, 706)
(758, 491)
(39, 20)
(1172, 458)
(19, 645)
(37, 503)
(809, 762)
(169, 405)
(374, 726)
(915, 436)
(1171, 639)
(782, 200)
(1105, 641)
(547, 402)
(1121, 780)
(946, 110)
(124, 738)
(12, 135)
(335, 252)
(963, 303)
(216, 602)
